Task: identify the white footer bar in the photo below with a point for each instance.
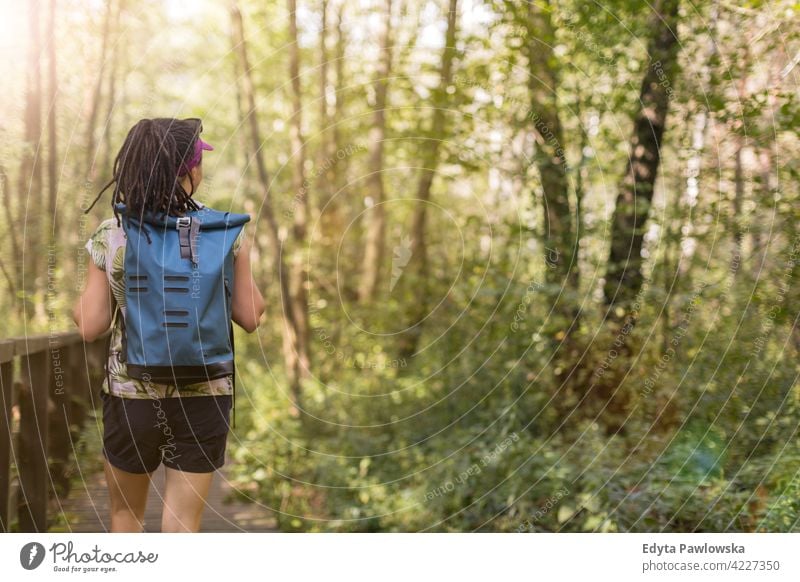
(399, 557)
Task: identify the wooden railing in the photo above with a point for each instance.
(47, 385)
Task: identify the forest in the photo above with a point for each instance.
(529, 266)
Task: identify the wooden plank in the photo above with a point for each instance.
(87, 507)
(6, 393)
(38, 343)
(64, 338)
(6, 351)
(31, 344)
(33, 470)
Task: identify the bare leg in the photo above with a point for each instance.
(184, 500)
(128, 495)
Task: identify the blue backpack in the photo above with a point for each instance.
(178, 284)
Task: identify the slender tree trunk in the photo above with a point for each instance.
(560, 231)
(13, 273)
(580, 193)
(624, 279)
(738, 201)
(739, 180)
(417, 269)
(326, 149)
(299, 273)
(376, 216)
(267, 213)
(624, 272)
(698, 122)
(112, 105)
(700, 126)
(94, 107)
(765, 169)
(333, 179)
(30, 174)
(411, 16)
(45, 308)
(560, 251)
(339, 108)
(52, 130)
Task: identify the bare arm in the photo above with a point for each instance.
(92, 310)
(247, 302)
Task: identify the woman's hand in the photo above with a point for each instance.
(92, 310)
(247, 301)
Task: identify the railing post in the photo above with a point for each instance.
(33, 468)
(97, 358)
(6, 403)
(78, 395)
(60, 437)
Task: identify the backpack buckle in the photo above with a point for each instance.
(183, 222)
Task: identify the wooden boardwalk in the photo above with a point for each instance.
(86, 508)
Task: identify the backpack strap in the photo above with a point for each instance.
(117, 316)
(233, 377)
(188, 228)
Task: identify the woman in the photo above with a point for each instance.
(158, 169)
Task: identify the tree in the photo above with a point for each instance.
(290, 334)
(559, 230)
(299, 273)
(114, 74)
(52, 130)
(561, 225)
(624, 278)
(30, 172)
(376, 216)
(327, 146)
(417, 268)
(94, 107)
(624, 271)
(333, 175)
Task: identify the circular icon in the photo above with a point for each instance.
(31, 555)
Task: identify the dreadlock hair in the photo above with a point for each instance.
(146, 169)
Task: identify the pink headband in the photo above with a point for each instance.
(199, 146)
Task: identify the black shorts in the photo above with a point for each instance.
(187, 434)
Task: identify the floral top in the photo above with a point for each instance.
(107, 250)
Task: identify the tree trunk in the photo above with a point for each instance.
(560, 230)
(52, 131)
(30, 174)
(108, 148)
(560, 252)
(694, 164)
(766, 171)
(326, 149)
(12, 274)
(299, 273)
(338, 111)
(624, 279)
(333, 179)
(267, 213)
(738, 201)
(376, 216)
(94, 109)
(624, 272)
(417, 269)
(739, 179)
